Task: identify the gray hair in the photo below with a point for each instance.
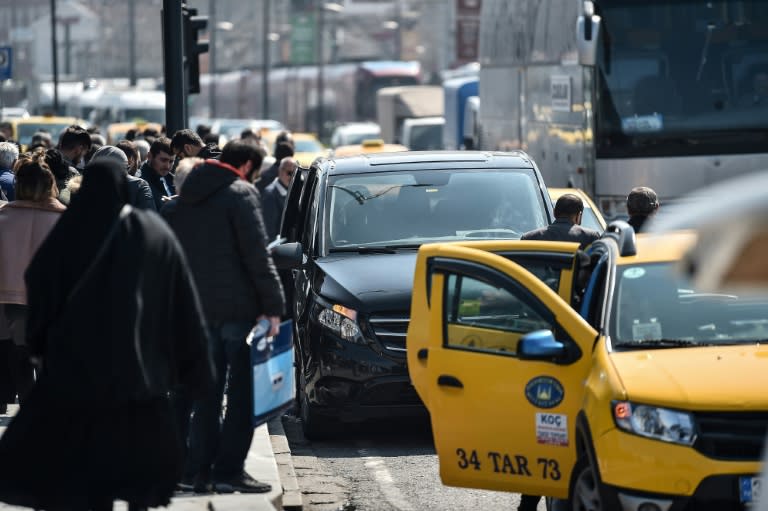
(9, 153)
(183, 169)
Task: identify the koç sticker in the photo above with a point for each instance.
(552, 429)
(544, 392)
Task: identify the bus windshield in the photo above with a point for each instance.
(682, 77)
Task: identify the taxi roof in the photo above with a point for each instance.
(652, 248)
(395, 161)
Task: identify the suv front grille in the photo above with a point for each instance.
(731, 435)
(390, 330)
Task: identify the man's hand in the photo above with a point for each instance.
(274, 321)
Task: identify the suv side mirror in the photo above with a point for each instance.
(287, 256)
(587, 35)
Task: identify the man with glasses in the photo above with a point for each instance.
(274, 194)
(157, 171)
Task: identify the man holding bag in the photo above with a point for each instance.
(219, 223)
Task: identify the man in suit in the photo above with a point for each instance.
(274, 196)
(156, 171)
(567, 225)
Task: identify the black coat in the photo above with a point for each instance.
(140, 194)
(148, 174)
(563, 230)
(115, 337)
(269, 175)
(219, 223)
(273, 204)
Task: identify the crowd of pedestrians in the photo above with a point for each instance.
(121, 330)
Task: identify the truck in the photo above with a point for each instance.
(457, 92)
(396, 104)
(607, 95)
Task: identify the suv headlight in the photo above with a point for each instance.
(653, 422)
(340, 320)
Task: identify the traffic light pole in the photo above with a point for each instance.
(173, 65)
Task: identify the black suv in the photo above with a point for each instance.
(354, 226)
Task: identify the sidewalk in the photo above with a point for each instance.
(261, 463)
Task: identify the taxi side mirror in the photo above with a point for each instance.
(541, 345)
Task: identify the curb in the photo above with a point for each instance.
(292, 500)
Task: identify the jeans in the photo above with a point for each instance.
(219, 442)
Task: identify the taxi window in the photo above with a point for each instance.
(483, 317)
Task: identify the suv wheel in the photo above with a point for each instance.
(585, 490)
(313, 425)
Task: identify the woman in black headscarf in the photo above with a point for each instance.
(116, 324)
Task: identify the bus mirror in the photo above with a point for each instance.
(587, 32)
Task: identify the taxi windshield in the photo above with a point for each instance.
(655, 307)
(411, 207)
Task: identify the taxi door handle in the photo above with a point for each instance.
(445, 380)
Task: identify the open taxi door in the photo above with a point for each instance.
(502, 419)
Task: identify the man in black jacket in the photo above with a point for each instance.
(186, 143)
(568, 212)
(156, 171)
(642, 203)
(219, 223)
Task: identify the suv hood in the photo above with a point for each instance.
(718, 378)
(368, 282)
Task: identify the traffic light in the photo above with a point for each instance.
(193, 48)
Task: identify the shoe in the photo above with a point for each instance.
(185, 485)
(242, 483)
(198, 484)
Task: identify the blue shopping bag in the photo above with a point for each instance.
(274, 382)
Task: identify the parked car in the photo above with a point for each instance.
(354, 225)
(592, 218)
(354, 133)
(603, 377)
(375, 145)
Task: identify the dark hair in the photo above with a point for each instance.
(74, 136)
(211, 138)
(642, 201)
(150, 132)
(203, 129)
(567, 205)
(248, 133)
(97, 139)
(283, 150)
(161, 145)
(183, 137)
(131, 134)
(55, 162)
(34, 181)
(284, 136)
(94, 147)
(129, 148)
(238, 152)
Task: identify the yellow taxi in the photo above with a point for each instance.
(306, 146)
(116, 131)
(25, 127)
(592, 218)
(601, 377)
(374, 145)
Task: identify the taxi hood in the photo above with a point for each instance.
(718, 378)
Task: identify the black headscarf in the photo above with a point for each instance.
(74, 241)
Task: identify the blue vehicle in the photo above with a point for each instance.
(456, 93)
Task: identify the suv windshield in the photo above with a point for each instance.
(655, 307)
(412, 207)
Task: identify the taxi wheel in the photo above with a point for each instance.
(585, 492)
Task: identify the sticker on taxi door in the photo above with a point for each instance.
(552, 429)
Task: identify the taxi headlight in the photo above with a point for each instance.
(340, 320)
(662, 424)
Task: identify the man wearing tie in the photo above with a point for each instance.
(157, 170)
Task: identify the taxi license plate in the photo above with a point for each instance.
(749, 488)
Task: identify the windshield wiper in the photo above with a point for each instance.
(365, 250)
(657, 343)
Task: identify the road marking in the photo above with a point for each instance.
(378, 468)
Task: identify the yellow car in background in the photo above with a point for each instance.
(25, 127)
(306, 145)
(602, 377)
(376, 145)
(592, 218)
(116, 131)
